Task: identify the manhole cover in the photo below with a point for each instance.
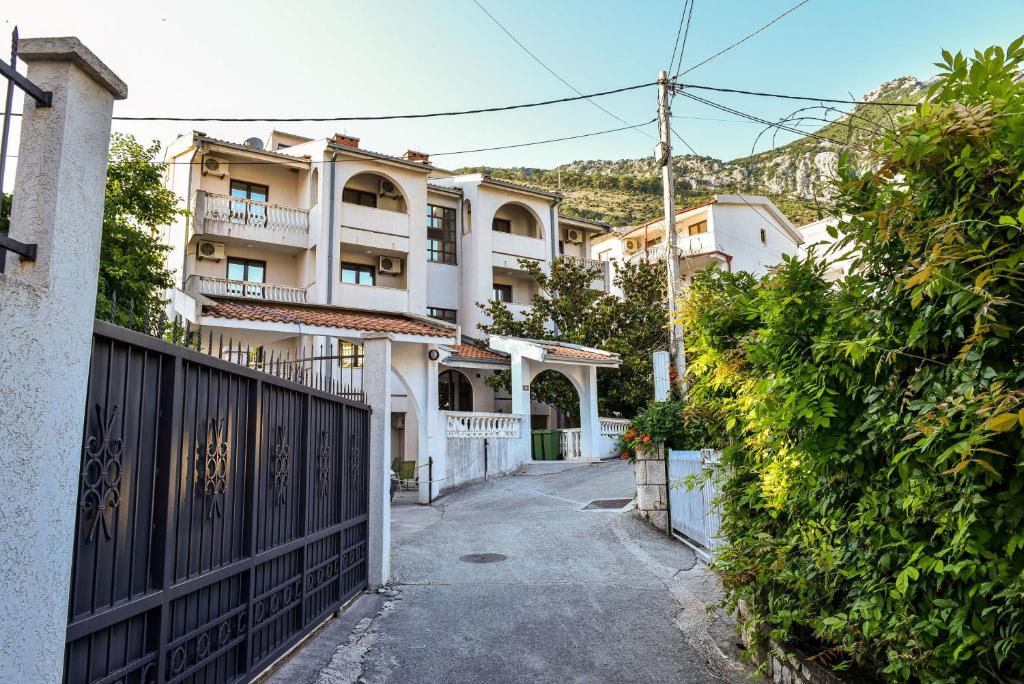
(605, 504)
(484, 558)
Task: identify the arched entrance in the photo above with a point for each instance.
(455, 393)
(556, 393)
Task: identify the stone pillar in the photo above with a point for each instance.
(46, 318)
(377, 386)
(652, 487)
(590, 423)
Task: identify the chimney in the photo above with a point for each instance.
(414, 156)
(346, 140)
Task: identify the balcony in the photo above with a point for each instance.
(373, 219)
(373, 297)
(688, 245)
(246, 220)
(512, 246)
(603, 269)
(223, 287)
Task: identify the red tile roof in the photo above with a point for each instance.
(332, 317)
(469, 351)
(555, 349)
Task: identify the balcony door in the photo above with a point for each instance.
(246, 277)
(254, 211)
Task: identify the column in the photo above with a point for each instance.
(377, 386)
(46, 316)
(436, 435)
(590, 423)
(521, 373)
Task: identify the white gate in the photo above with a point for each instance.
(694, 511)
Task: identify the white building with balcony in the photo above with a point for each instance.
(344, 261)
(734, 232)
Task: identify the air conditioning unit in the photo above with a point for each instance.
(632, 245)
(388, 264)
(388, 189)
(573, 236)
(215, 167)
(214, 251)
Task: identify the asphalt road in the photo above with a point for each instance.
(581, 596)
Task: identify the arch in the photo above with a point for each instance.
(314, 187)
(377, 190)
(454, 390)
(467, 217)
(521, 218)
(570, 410)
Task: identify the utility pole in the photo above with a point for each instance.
(664, 157)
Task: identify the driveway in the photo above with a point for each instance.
(581, 595)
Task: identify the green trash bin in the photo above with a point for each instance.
(546, 445)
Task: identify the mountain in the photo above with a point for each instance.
(796, 176)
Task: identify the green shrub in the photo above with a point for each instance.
(873, 428)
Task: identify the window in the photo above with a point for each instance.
(314, 188)
(653, 242)
(440, 234)
(454, 392)
(500, 225)
(245, 272)
(358, 274)
(467, 217)
(247, 212)
(350, 355)
(764, 236)
(353, 196)
(698, 228)
(446, 315)
(501, 293)
(606, 255)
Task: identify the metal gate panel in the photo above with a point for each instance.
(695, 512)
(222, 515)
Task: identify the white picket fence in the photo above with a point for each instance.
(695, 513)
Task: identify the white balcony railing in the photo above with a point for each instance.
(224, 287)
(248, 212)
(570, 442)
(613, 427)
(688, 245)
(477, 425)
(601, 269)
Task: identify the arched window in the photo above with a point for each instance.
(455, 393)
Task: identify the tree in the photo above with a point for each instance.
(567, 309)
(132, 256)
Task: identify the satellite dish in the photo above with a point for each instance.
(254, 143)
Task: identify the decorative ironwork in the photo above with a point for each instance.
(101, 474)
(212, 464)
(280, 464)
(323, 469)
(355, 464)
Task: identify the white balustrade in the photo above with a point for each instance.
(570, 441)
(613, 427)
(224, 287)
(477, 425)
(687, 245)
(253, 213)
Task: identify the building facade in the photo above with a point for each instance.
(305, 249)
(733, 232)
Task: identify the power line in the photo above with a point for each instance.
(546, 67)
(790, 97)
(437, 154)
(686, 35)
(679, 33)
(383, 117)
(741, 40)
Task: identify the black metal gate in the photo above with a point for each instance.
(222, 515)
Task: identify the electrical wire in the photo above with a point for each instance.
(686, 35)
(789, 97)
(679, 33)
(549, 69)
(383, 117)
(741, 40)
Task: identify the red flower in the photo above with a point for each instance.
(646, 439)
(625, 455)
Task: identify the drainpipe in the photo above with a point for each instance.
(330, 234)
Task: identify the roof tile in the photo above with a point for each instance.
(272, 312)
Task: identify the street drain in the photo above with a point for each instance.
(483, 558)
(605, 504)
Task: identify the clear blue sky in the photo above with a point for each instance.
(275, 58)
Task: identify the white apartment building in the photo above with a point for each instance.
(818, 241)
(734, 232)
(297, 245)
